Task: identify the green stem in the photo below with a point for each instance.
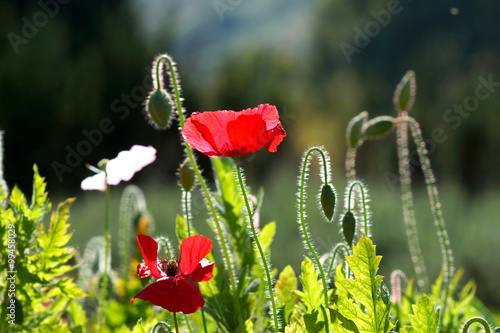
(186, 200)
(204, 320)
(479, 320)
(436, 208)
(363, 199)
(104, 283)
(175, 322)
(335, 250)
(187, 323)
(203, 185)
(408, 211)
(305, 232)
(259, 246)
(158, 324)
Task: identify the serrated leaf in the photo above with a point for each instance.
(39, 197)
(365, 289)
(424, 319)
(181, 229)
(283, 289)
(77, 314)
(312, 296)
(138, 328)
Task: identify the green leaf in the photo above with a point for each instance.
(266, 235)
(283, 289)
(404, 95)
(354, 133)
(53, 242)
(77, 314)
(370, 312)
(181, 229)
(313, 322)
(341, 324)
(248, 326)
(138, 328)
(312, 296)
(424, 319)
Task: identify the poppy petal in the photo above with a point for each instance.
(127, 163)
(95, 182)
(202, 272)
(173, 294)
(193, 250)
(229, 133)
(143, 271)
(149, 249)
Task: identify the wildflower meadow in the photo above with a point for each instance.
(224, 280)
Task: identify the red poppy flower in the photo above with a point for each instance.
(172, 291)
(230, 133)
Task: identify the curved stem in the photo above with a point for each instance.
(365, 213)
(408, 211)
(104, 282)
(203, 185)
(479, 320)
(335, 250)
(305, 232)
(158, 324)
(259, 246)
(436, 208)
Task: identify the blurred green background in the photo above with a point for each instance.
(67, 65)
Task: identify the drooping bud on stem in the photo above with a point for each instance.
(349, 227)
(159, 108)
(186, 176)
(404, 95)
(328, 198)
(378, 127)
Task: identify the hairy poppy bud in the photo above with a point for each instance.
(378, 127)
(186, 176)
(404, 95)
(349, 227)
(328, 198)
(354, 133)
(159, 108)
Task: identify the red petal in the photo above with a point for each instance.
(173, 294)
(193, 250)
(229, 133)
(149, 249)
(143, 271)
(202, 272)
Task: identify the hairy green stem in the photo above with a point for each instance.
(436, 208)
(408, 211)
(159, 324)
(480, 321)
(259, 246)
(335, 250)
(350, 163)
(104, 282)
(305, 232)
(187, 213)
(208, 197)
(363, 199)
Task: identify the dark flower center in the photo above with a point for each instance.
(169, 266)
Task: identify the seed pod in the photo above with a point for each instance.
(186, 176)
(378, 127)
(404, 95)
(159, 108)
(354, 133)
(349, 227)
(327, 199)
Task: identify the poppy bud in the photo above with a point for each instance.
(141, 223)
(349, 227)
(159, 108)
(186, 176)
(378, 127)
(404, 95)
(354, 127)
(327, 199)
